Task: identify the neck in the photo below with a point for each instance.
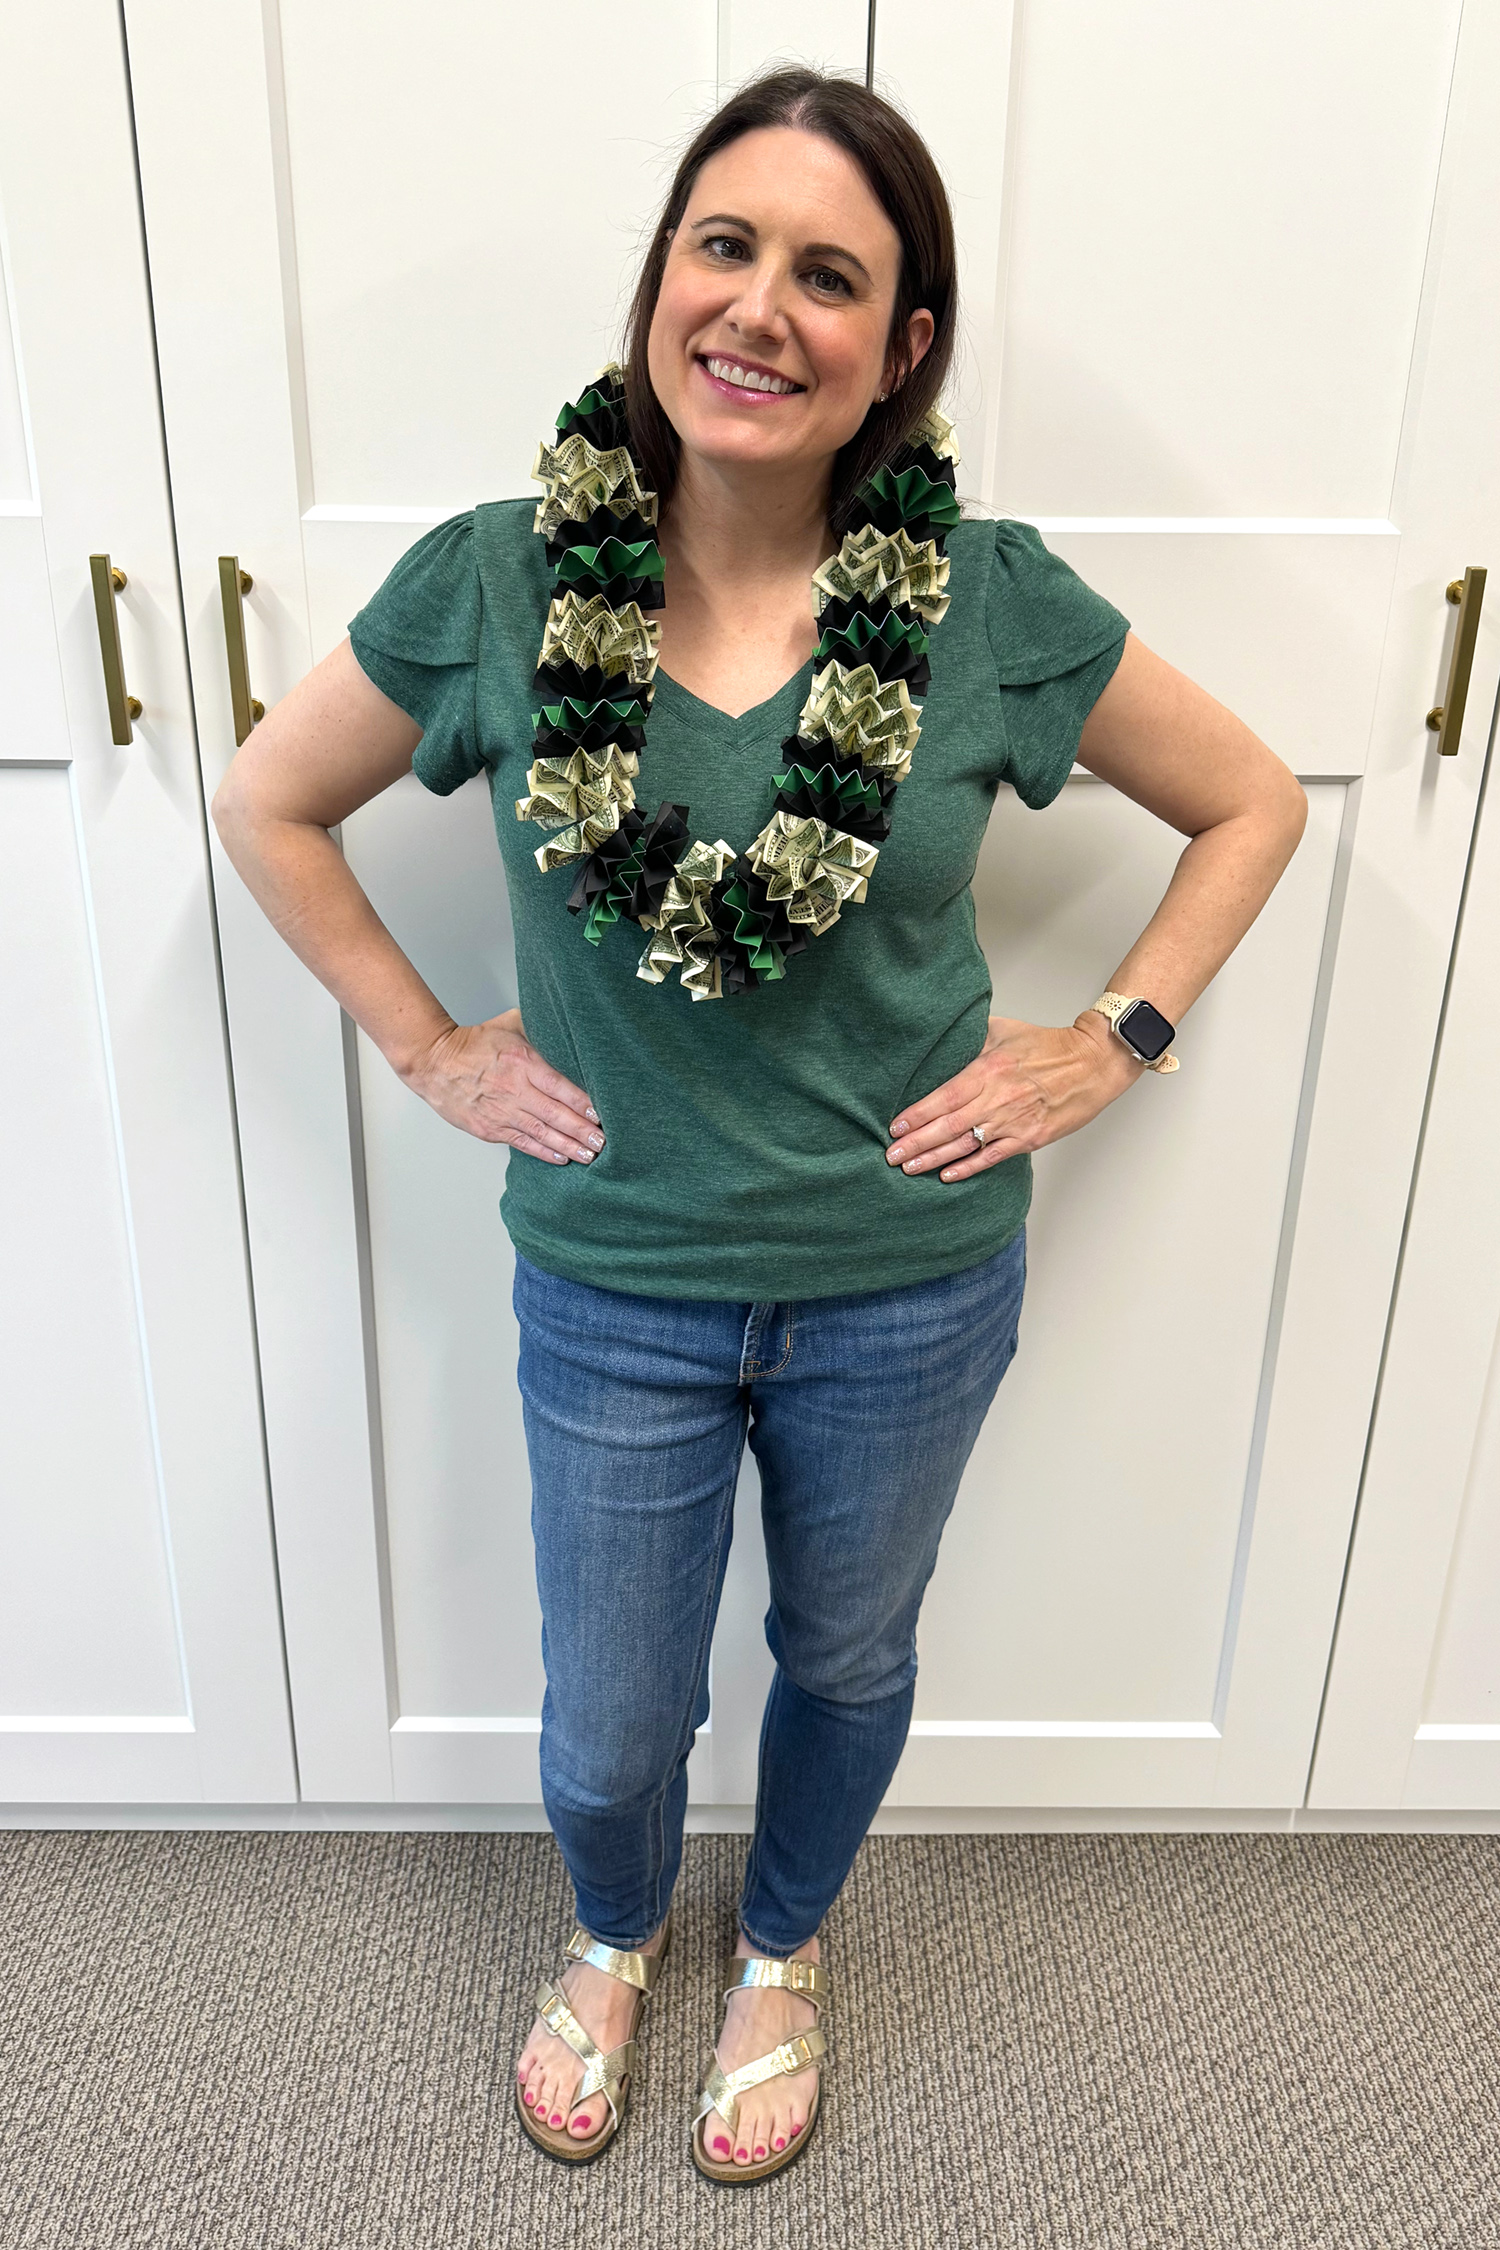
(729, 529)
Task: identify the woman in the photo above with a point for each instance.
(797, 1213)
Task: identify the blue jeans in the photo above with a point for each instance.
(861, 1412)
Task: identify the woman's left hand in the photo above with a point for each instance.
(1030, 1084)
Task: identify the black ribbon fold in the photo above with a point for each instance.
(825, 805)
(903, 662)
(769, 925)
(606, 427)
(663, 840)
(599, 734)
(588, 683)
(592, 531)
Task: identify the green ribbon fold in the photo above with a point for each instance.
(861, 634)
(852, 793)
(916, 496)
(749, 931)
(614, 559)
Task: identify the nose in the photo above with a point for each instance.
(759, 308)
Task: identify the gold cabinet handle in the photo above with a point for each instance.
(234, 585)
(123, 707)
(1446, 719)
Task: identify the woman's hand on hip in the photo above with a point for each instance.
(488, 1079)
(1030, 1084)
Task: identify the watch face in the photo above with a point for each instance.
(1147, 1030)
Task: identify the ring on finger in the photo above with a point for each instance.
(978, 1133)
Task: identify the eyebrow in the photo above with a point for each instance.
(809, 249)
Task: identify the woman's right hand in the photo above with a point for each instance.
(488, 1079)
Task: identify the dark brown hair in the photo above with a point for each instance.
(906, 183)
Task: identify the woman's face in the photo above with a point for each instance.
(772, 332)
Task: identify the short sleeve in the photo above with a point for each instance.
(417, 638)
(1056, 644)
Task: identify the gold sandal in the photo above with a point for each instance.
(722, 2089)
(609, 2074)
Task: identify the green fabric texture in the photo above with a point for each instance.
(746, 1137)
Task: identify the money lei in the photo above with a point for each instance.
(725, 921)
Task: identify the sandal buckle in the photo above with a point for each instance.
(793, 2055)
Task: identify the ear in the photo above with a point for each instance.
(900, 365)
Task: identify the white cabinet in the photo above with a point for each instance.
(1412, 1718)
(1229, 287)
(140, 1647)
(1233, 375)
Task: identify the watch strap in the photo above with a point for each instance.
(1114, 1005)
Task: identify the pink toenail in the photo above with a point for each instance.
(529, 2099)
(781, 2144)
(760, 2152)
(721, 2148)
(796, 2129)
(555, 2118)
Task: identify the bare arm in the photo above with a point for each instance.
(326, 749)
(1166, 743)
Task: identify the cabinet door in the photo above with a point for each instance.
(140, 1650)
(1412, 1718)
(1226, 323)
(1236, 388)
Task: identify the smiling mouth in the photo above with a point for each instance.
(753, 382)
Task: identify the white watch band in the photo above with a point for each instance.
(1113, 1005)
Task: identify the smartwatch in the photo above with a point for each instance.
(1144, 1029)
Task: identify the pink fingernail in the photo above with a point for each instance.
(594, 1114)
(898, 1128)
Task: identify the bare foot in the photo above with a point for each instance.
(757, 2019)
(549, 2072)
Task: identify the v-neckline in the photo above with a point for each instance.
(743, 718)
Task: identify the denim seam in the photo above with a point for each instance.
(756, 1373)
(659, 1804)
(752, 1862)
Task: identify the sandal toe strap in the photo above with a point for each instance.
(722, 2088)
(602, 2073)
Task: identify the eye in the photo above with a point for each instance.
(830, 282)
(729, 247)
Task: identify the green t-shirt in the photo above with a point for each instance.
(745, 1137)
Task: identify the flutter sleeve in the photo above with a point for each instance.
(1056, 644)
(417, 638)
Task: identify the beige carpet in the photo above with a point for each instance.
(304, 2042)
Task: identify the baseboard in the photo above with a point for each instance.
(908, 1820)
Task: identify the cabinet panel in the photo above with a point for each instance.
(1119, 1464)
(142, 1652)
(86, 1608)
(1218, 240)
(1412, 1718)
(459, 256)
